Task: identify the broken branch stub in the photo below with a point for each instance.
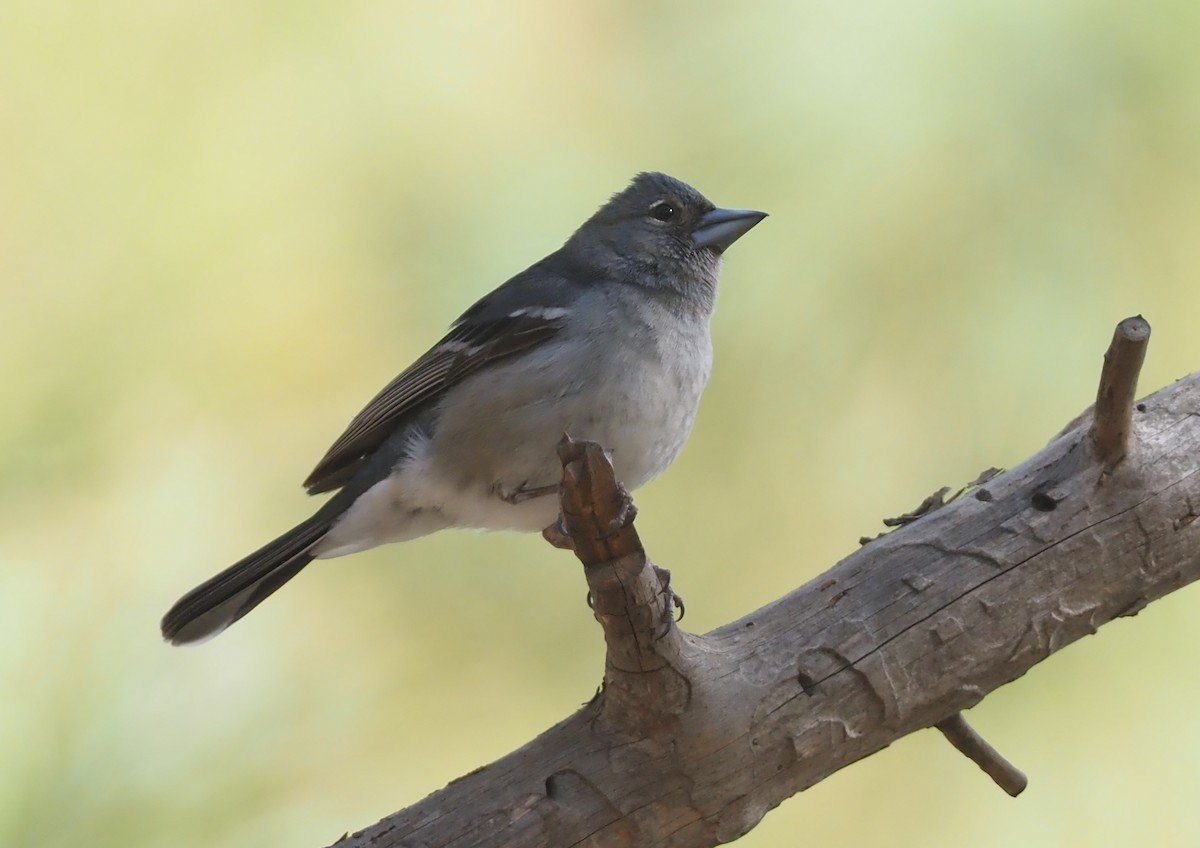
(975, 748)
(1113, 417)
(629, 599)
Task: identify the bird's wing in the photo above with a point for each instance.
(483, 335)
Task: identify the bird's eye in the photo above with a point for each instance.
(662, 211)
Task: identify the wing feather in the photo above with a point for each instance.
(470, 345)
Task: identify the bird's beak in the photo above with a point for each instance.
(722, 227)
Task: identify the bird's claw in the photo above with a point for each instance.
(626, 512)
(674, 601)
(525, 492)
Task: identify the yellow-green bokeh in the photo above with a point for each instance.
(224, 225)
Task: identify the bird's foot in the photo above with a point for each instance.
(674, 601)
(626, 512)
(525, 492)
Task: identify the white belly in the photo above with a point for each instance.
(640, 407)
(642, 411)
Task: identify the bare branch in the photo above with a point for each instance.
(694, 738)
(630, 598)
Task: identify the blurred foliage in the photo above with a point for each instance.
(224, 225)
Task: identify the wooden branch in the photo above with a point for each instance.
(955, 728)
(1118, 388)
(973, 746)
(694, 738)
(643, 688)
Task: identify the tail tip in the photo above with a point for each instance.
(179, 631)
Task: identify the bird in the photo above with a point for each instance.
(605, 339)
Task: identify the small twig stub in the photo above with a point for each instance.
(1113, 418)
(973, 746)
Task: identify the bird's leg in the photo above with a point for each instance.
(525, 492)
(556, 533)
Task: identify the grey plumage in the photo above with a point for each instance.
(605, 339)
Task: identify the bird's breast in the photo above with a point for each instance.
(636, 396)
(654, 404)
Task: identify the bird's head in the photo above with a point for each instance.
(661, 233)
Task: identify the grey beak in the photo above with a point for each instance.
(722, 227)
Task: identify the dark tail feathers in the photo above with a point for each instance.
(219, 602)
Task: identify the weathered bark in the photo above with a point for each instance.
(694, 738)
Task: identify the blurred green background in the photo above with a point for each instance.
(223, 226)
